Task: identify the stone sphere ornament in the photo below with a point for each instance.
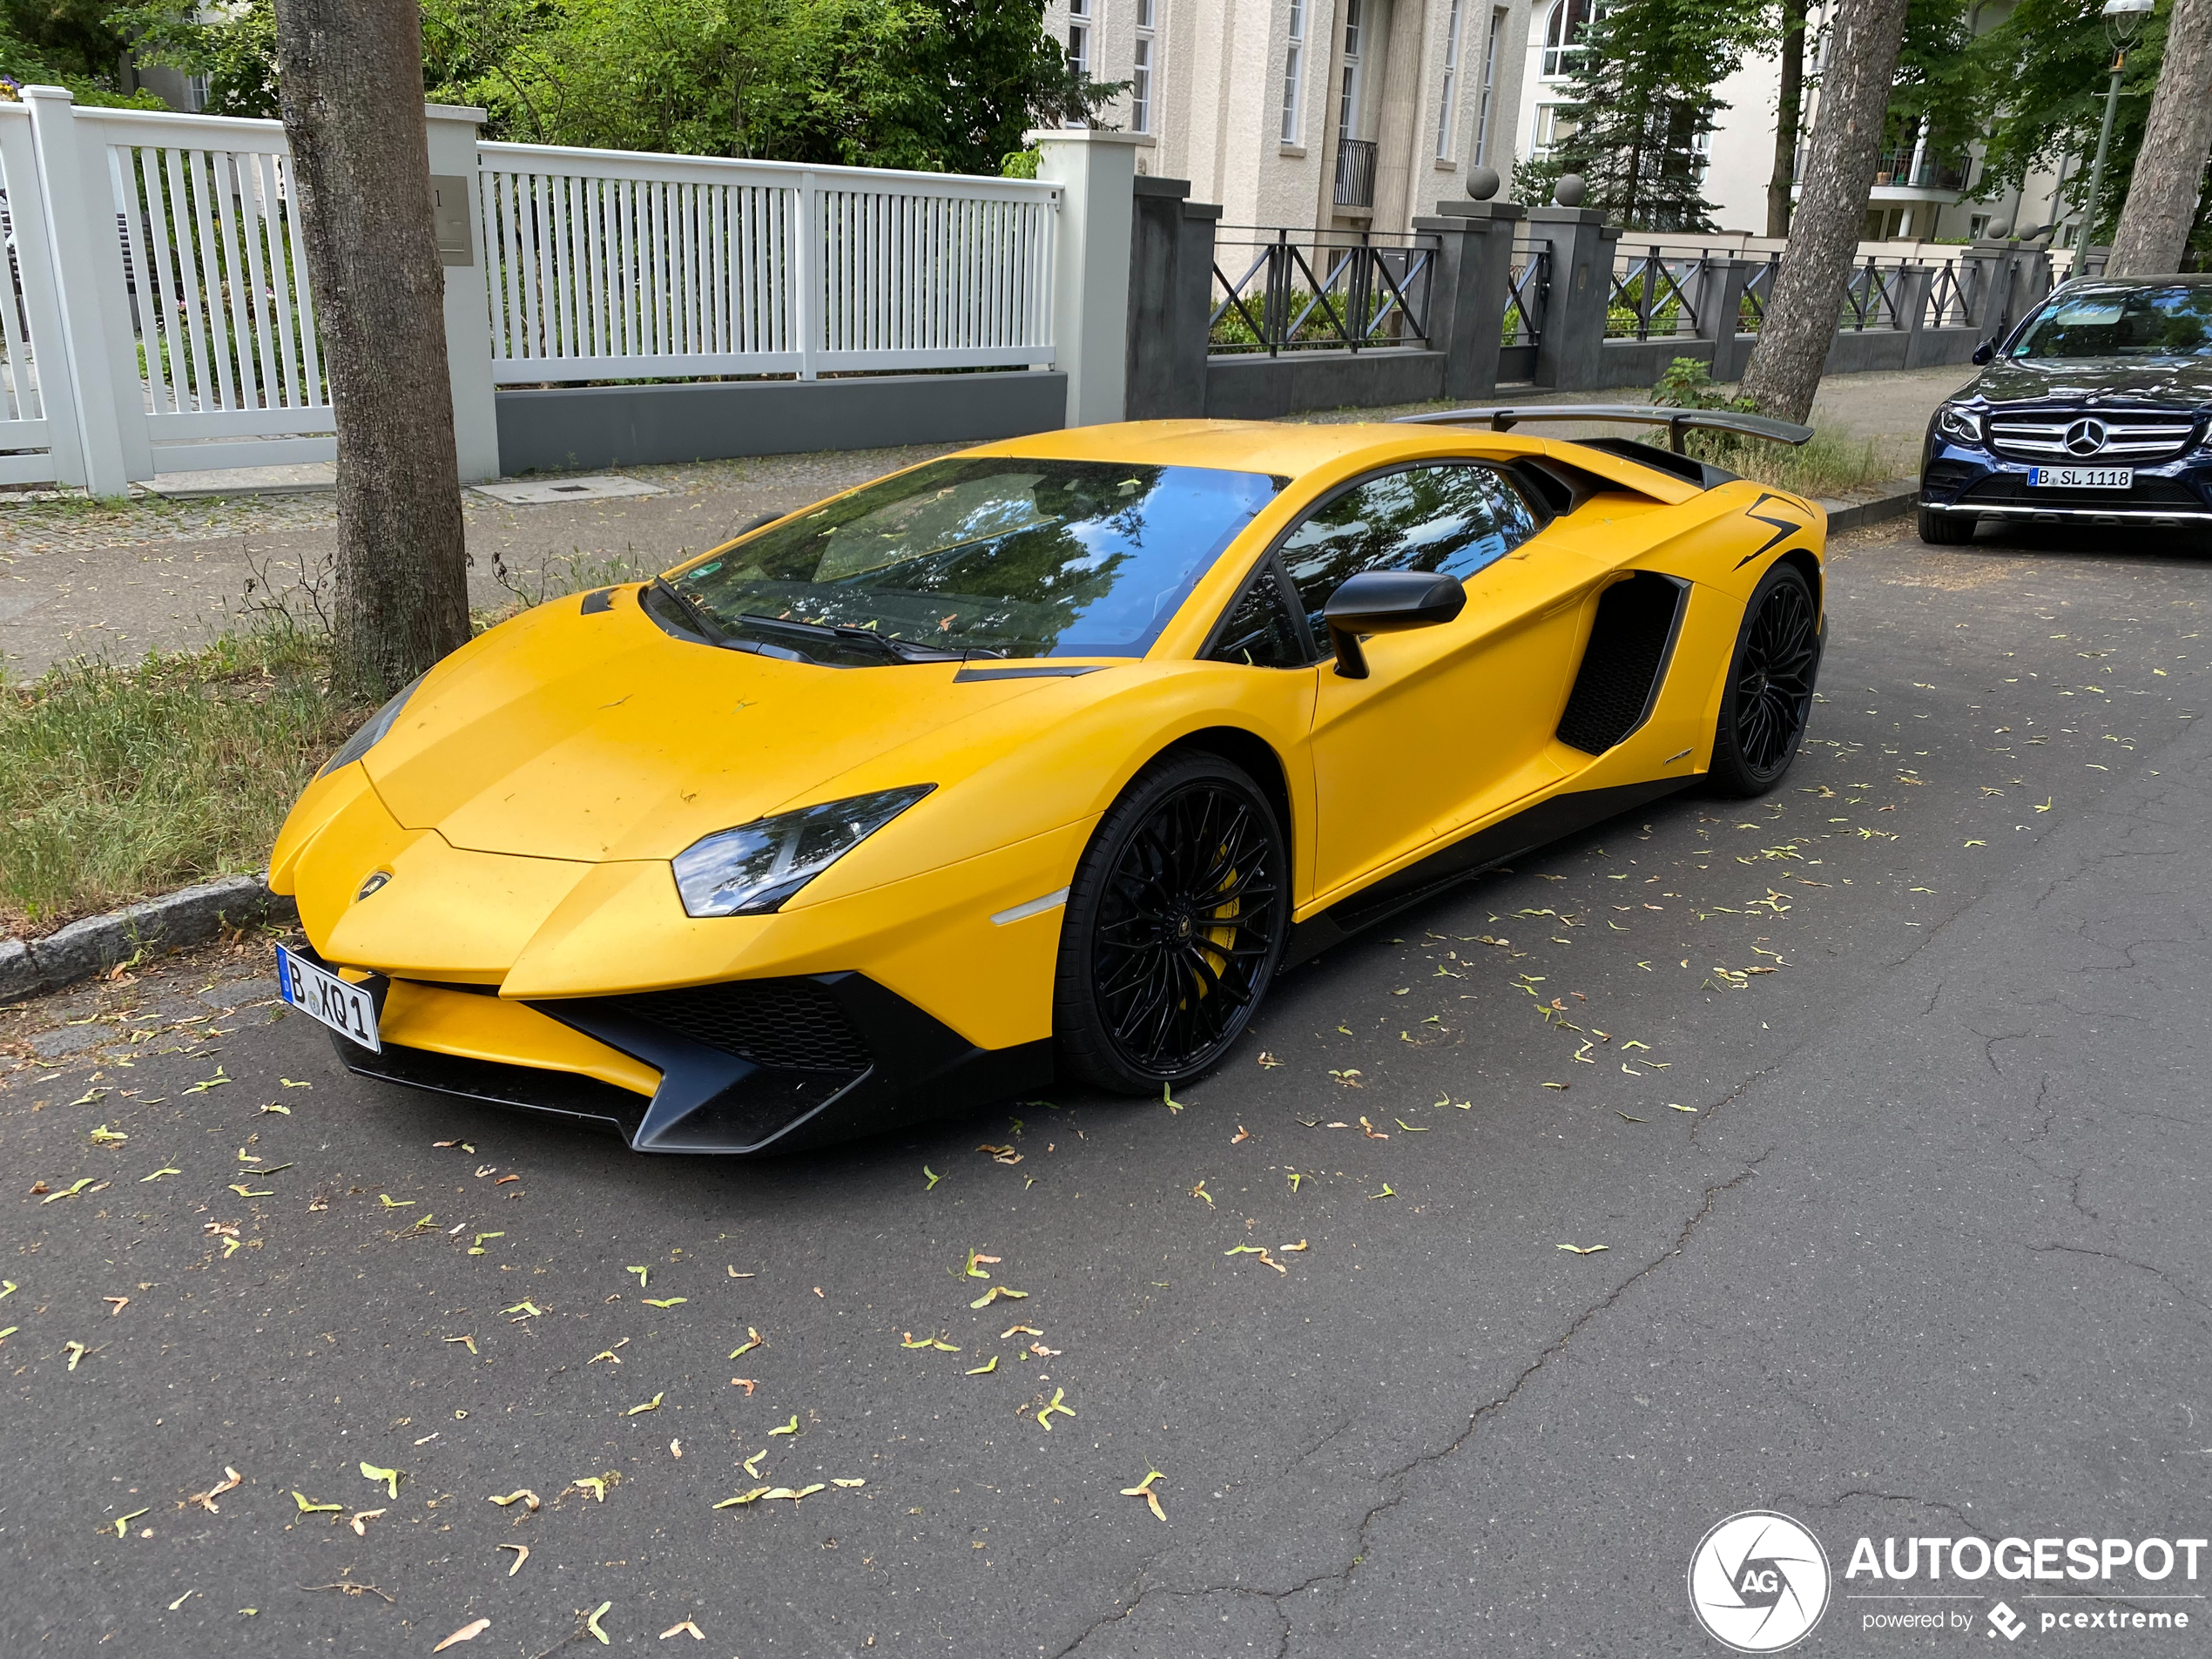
(1569, 191)
(2000, 230)
(1482, 182)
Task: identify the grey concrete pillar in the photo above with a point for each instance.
(1170, 297)
(1995, 267)
(1719, 302)
(1910, 294)
(1467, 295)
(1570, 353)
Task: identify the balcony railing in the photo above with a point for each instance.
(1355, 172)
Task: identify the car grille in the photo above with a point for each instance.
(2130, 437)
(788, 1022)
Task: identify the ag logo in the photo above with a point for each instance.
(1758, 1583)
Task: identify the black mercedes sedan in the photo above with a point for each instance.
(2095, 409)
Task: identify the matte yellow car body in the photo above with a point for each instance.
(528, 798)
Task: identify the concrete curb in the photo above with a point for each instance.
(1895, 499)
(98, 943)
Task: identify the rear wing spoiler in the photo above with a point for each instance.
(1677, 421)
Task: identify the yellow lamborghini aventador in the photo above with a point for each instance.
(1044, 756)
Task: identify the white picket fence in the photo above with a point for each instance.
(605, 265)
(158, 317)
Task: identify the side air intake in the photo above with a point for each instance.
(1624, 662)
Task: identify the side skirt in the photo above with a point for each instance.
(1533, 827)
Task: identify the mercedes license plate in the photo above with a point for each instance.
(2081, 477)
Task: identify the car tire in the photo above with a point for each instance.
(1946, 529)
(1156, 983)
(1768, 694)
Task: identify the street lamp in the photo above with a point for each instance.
(2124, 24)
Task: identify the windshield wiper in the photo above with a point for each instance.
(891, 647)
(693, 611)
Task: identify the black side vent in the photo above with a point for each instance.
(1622, 663)
(790, 1023)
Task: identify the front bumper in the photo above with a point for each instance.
(1965, 482)
(744, 1067)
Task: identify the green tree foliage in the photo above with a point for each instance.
(77, 44)
(2048, 63)
(938, 85)
(1642, 98)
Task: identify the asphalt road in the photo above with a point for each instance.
(1884, 1128)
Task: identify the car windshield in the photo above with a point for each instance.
(2175, 321)
(1007, 556)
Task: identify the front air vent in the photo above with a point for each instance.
(794, 1023)
(1623, 663)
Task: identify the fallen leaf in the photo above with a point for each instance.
(591, 1623)
(1168, 1099)
(668, 1302)
(1671, 1107)
(123, 1522)
(1019, 1330)
(106, 1136)
(75, 1351)
(273, 1107)
(117, 1304)
(309, 1507)
(1388, 1192)
(525, 1496)
(390, 1202)
(1044, 1416)
(470, 1340)
(934, 1176)
(676, 1448)
(746, 1383)
(357, 1520)
(753, 1340)
(1301, 1245)
(752, 1496)
(995, 1293)
(972, 1270)
(1241, 1135)
(652, 1404)
(986, 1369)
(792, 1427)
(592, 1485)
(686, 1628)
(521, 1555)
(158, 1174)
(1585, 1249)
(1143, 1489)
(391, 1477)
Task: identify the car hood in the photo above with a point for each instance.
(2093, 380)
(600, 737)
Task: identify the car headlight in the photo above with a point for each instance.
(372, 730)
(751, 870)
(1958, 423)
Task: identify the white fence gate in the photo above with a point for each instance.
(158, 316)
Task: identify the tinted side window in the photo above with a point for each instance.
(1451, 519)
(1261, 630)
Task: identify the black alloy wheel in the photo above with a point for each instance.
(1769, 690)
(1175, 925)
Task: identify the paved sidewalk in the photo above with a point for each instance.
(87, 578)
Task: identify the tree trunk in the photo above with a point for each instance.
(350, 83)
(1788, 116)
(1783, 372)
(2170, 168)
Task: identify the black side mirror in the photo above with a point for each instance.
(1983, 351)
(756, 522)
(1386, 601)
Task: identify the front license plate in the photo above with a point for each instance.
(2081, 477)
(346, 1008)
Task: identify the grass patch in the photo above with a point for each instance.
(1823, 465)
(120, 782)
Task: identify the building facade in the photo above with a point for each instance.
(1919, 196)
(1345, 115)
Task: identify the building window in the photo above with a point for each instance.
(1141, 70)
(1079, 21)
(1294, 75)
(1563, 36)
(1451, 85)
(1489, 86)
(1348, 97)
(1545, 134)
